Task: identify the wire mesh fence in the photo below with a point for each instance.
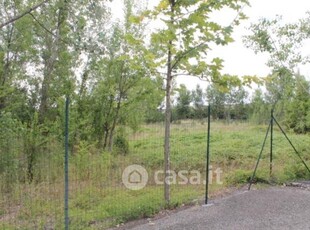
(102, 198)
(102, 195)
(31, 193)
(32, 180)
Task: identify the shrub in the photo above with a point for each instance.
(121, 145)
(10, 148)
(242, 177)
(296, 171)
(238, 177)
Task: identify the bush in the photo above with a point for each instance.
(10, 148)
(243, 177)
(296, 171)
(239, 177)
(121, 145)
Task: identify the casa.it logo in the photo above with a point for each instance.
(135, 177)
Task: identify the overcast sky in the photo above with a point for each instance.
(240, 60)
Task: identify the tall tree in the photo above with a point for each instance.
(184, 99)
(19, 16)
(236, 103)
(216, 99)
(183, 45)
(124, 83)
(279, 85)
(15, 41)
(283, 43)
(90, 24)
(298, 109)
(259, 109)
(200, 110)
(55, 55)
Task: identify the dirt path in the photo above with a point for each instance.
(269, 208)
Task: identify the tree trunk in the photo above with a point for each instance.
(110, 145)
(106, 127)
(50, 62)
(6, 68)
(106, 135)
(168, 114)
(80, 110)
(167, 127)
(122, 93)
(45, 90)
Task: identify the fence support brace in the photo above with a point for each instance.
(270, 127)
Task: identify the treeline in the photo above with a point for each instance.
(226, 105)
(286, 93)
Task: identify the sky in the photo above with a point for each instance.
(239, 60)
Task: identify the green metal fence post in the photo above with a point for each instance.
(208, 156)
(66, 203)
(271, 144)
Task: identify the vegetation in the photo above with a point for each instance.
(283, 43)
(97, 198)
(125, 110)
(181, 47)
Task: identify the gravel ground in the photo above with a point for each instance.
(269, 208)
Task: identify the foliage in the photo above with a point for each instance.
(298, 109)
(228, 105)
(124, 89)
(296, 172)
(260, 110)
(183, 43)
(198, 101)
(182, 108)
(239, 177)
(216, 99)
(10, 132)
(110, 69)
(98, 200)
(283, 43)
(121, 145)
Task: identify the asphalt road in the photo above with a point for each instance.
(271, 208)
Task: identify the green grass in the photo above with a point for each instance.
(98, 199)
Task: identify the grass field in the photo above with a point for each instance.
(98, 198)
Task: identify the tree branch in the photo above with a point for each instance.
(186, 52)
(181, 56)
(23, 14)
(77, 47)
(201, 77)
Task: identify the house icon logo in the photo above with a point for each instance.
(135, 177)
